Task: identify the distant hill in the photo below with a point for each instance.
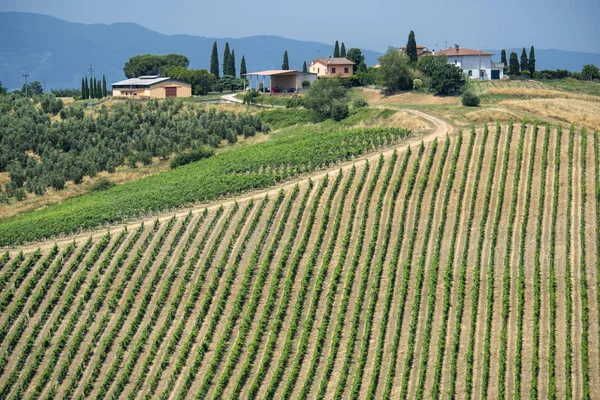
(61, 52)
(555, 59)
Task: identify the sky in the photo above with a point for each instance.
(368, 24)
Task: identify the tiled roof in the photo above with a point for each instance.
(461, 52)
(333, 61)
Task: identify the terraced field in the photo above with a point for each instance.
(467, 267)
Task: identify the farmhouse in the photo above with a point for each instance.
(332, 67)
(280, 81)
(152, 86)
(421, 51)
(477, 64)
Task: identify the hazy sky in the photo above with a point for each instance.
(371, 24)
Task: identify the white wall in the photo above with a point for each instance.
(471, 65)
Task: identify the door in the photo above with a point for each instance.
(495, 74)
(171, 92)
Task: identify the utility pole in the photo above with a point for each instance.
(26, 86)
(91, 72)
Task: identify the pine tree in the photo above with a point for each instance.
(532, 60)
(286, 61)
(104, 91)
(336, 50)
(232, 63)
(226, 55)
(411, 47)
(83, 91)
(343, 50)
(504, 61)
(243, 70)
(214, 61)
(514, 64)
(524, 61)
(304, 67)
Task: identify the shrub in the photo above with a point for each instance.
(417, 84)
(294, 102)
(536, 75)
(305, 84)
(192, 156)
(525, 74)
(448, 79)
(102, 184)
(145, 157)
(251, 98)
(360, 103)
(322, 97)
(249, 131)
(132, 160)
(470, 99)
(339, 111)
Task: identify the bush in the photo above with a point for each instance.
(249, 131)
(448, 79)
(417, 84)
(305, 84)
(251, 98)
(145, 157)
(360, 103)
(470, 99)
(536, 75)
(294, 102)
(102, 184)
(192, 156)
(322, 96)
(339, 111)
(525, 74)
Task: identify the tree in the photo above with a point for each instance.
(524, 60)
(411, 47)
(226, 55)
(504, 61)
(514, 64)
(394, 72)
(231, 68)
(34, 88)
(356, 56)
(304, 68)
(322, 96)
(201, 80)
(243, 70)
(343, 50)
(532, 60)
(83, 89)
(448, 79)
(93, 88)
(104, 91)
(428, 64)
(99, 92)
(590, 72)
(86, 88)
(151, 64)
(286, 61)
(336, 49)
(214, 61)
(2, 89)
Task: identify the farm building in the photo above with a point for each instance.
(280, 81)
(331, 67)
(153, 86)
(477, 64)
(421, 51)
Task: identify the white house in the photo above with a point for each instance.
(477, 64)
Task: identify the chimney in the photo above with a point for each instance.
(457, 47)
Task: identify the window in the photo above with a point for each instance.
(470, 73)
(345, 70)
(318, 70)
(333, 70)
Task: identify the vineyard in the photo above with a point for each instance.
(467, 267)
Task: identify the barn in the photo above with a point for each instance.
(151, 86)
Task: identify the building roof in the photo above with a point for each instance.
(333, 61)
(272, 72)
(419, 47)
(143, 80)
(461, 52)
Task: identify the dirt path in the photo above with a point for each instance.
(441, 128)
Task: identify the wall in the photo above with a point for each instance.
(472, 64)
(158, 91)
(326, 70)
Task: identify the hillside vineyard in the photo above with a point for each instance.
(467, 267)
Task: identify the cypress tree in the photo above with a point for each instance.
(83, 94)
(524, 61)
(232, 63)
(286, 61)
(304, 67)
(343, 50)
(87, 88)
(104, 91)
(411, 47)
(214, 61)
(532, 60)
(92, 88)
(504, 61)
(226, 55)
(243, 70)
(336, 50)
(514, 64)
(99, 89)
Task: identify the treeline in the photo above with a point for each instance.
(38, 154)
(94, 89)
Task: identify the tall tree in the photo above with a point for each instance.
(304, 67)
(504, 61)
(243, 70)
(411, 47)
(336, 49)
(524, 61)
(532, 60)
(343, 50)
(83, 90)
(231, 68)
(86, 88)
(514, 64)
(286, 61)
(226, 55)
(214, 61)
(99, 89)
(152, 64)
(92, 88)
(355, 55)
(104, 91)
